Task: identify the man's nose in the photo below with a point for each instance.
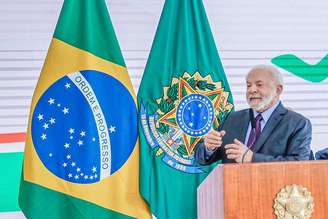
(252, 89)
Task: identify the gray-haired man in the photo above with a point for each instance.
(265, 132)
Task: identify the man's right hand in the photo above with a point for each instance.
(213, 139)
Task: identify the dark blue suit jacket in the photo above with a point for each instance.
(286, 136)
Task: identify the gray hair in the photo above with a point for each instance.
(277, 76)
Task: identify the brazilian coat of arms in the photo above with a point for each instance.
(190, 107)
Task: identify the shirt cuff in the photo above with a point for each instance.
(209, 152)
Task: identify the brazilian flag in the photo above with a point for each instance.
(183, 94)
(81, 154)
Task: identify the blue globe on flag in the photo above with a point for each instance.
(195, 114)
(84, 127)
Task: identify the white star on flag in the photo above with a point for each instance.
(52, 121)
(82, 133)
(45, 126)
(66, 145)
(40, 117)
(67, 85)
(112, 129)
(65, 110)
(44, 136)
(51, 101)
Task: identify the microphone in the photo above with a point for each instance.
(253, 125)
(252, 118)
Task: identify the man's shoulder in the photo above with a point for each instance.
(294, 117)
(291, 114)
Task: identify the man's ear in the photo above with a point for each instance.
(279, 89)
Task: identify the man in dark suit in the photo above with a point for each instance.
(265, 132)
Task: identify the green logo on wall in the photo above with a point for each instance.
(293, 64)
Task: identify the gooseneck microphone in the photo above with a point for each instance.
(253, 126)
(252, 118)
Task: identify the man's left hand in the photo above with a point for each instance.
(236, 151)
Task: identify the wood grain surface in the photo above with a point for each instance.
(249, 190)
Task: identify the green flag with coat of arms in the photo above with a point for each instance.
(183, 94)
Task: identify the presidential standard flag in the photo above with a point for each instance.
(183, 94)
(81, 153)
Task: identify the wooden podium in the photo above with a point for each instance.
(248, 191)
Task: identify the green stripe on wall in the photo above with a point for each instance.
(10, 170)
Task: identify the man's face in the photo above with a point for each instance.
(262, 92)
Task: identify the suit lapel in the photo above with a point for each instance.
(273, 121)
(239, 132)
(245, 123)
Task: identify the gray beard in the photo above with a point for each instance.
(266, 101)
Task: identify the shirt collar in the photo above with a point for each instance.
(267, 113)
